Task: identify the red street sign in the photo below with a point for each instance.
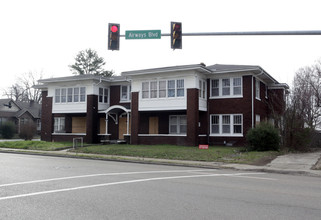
(203, 146)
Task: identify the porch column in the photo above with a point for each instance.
(106, 124)
(127, 123)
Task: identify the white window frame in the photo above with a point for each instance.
(62, 95)
(181, 121)
(103, 95)
(231, 87)
(127, 97)
(59, 125)
(257, 89)
(177, 89)
(232, 123)
(202, 89)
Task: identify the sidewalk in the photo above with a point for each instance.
(298, 164)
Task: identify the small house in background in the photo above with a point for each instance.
(20, 113)
(181, 105)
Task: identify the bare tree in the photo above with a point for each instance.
(307, 94)
(28, 81)
(24, 89)
(14, 92)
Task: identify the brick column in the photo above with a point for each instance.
(134, 118)
(46, 117)
(92, 119)
(192, 116)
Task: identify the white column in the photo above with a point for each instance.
(127, 122)
(106, 124)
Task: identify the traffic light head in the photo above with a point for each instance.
(176, 35)
(113, 36)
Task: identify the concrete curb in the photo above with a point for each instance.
(199, 164)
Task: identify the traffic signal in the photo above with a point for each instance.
(176, 35)
(113, 36)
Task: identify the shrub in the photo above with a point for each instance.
(264, 137)
(8, 129)
(27, 131)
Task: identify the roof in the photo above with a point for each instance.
(197, 67)
(81, 77)
(33, 108)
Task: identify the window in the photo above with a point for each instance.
(257, 89)
(227, 125)
(162, 89)
(82, 94)
(180, 88)
(145, 90)
(125, 93)
(69, 95)
(202, 89)
(103, 95)
(59, 125)
(76, 94)
(177, 124)
(215, 87)
(63, 95)
(171, 88)
(237, 86)
(106, 95)
(215, 124)
(225, 87)
(57, 95)
(228, 87)
(237, 124)
(153, 89)
(257, 119)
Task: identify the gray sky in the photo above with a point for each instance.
(45, 36)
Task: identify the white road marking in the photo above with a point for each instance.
(99, 174)
(119, 183)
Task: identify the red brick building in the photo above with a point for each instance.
(182, 105)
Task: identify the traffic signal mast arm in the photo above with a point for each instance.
(308, 32)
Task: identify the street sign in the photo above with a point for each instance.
(143, 34)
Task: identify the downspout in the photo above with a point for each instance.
(252, 104)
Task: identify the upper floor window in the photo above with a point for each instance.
(103, 95)
(64, 95)
(163, 89)
(226, 87)
(125, 93)
(257, 89)
(202, 89)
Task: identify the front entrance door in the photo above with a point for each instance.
(153, 125)
(122, 127)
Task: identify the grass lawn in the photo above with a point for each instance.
(214, 153)
(34, 145)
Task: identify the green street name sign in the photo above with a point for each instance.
(145, 34)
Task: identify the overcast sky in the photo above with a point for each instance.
(45, 36)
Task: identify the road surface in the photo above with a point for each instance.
(40, 187)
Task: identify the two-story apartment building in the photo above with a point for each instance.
(183, 105)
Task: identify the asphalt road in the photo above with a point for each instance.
(39, 187)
